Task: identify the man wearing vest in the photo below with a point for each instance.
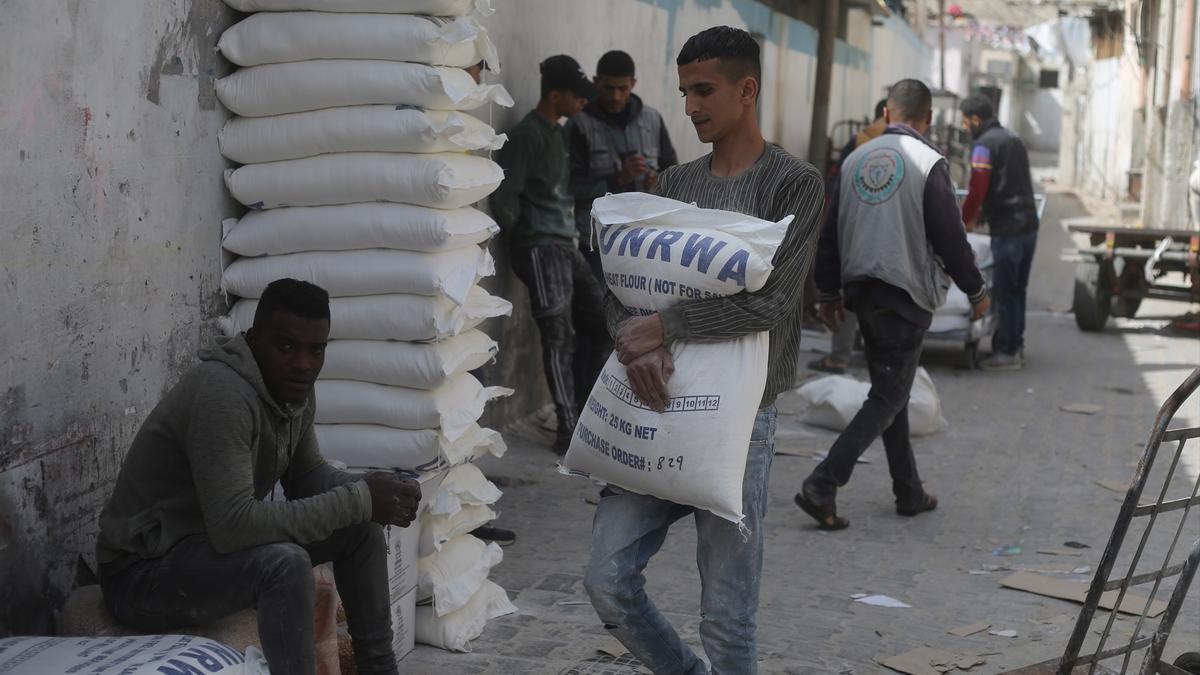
(618, 144)
(892, 236)
(1002, 189)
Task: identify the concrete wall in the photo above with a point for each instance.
(899, 53)
(110, 186)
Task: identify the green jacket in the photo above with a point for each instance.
(534, 203)
(208, 455)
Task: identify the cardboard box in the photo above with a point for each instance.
(404, 623)
(402, 543)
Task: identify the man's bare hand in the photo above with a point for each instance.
(648, 377)
(639, 335)
(651, 180)
(833, 315)
(632, 168)
(394, 500)
(979, 309)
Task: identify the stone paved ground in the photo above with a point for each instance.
(1012, 468)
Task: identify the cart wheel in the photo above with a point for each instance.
(1126, 307)
(1189, 662)
(971, 356)
(1092, 297)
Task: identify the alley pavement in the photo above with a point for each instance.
(1013, 471)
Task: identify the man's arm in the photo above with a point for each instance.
(309, 473)
(981, 178)
(828, 272)
(733, 316)
(945, 233)
(218, 450)
(514, 158)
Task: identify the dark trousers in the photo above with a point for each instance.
(1012, 255)
(893, 349)
(568, 307)
(193, 585)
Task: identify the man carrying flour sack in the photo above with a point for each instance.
(893, 227)
(719, 75)
(190, 534)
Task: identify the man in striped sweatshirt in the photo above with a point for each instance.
(719, 76)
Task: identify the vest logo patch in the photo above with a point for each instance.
(878, 175)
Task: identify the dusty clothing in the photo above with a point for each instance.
(206, 457)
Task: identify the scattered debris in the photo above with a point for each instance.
(1122, 390)
(1007, 633)
(1075, 544)
(613, 648)
(1114, 485)
(1082, 408)
(1059, 551)
(928, 661)
(964, 631)
(822, 454)
(793, 452)
(879, 601)
(1076, 591)
(1007, 550)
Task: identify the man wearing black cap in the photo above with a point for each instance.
(534, 209)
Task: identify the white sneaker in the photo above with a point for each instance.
(1002, 361)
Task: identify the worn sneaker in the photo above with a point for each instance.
(1002, 361)
(499, 535)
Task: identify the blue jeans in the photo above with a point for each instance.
(1013, 257)
(630, 528)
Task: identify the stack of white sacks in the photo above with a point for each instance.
(358, 171)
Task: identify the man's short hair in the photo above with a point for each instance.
(879, 108)
(615, 64)
(736, 49)
(300, 298)
(909, 100)
(977, 105)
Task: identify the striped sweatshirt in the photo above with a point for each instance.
(778, 185)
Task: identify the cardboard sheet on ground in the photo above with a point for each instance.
(1076, 591)
(1082, 408)
(964, 631)
(928, 661)
(1115, 485)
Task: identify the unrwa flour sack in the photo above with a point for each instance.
(365, 272)
(353, 226)
(657, 252)
(284, 37)
(129, 655)
(834, 400)
(419, 365)
(395, 316)
(464, 485)
(453, 575)
(441, 180)
(363, 128)
(437, 529)
(455, 630)
(280, 88)
(372, 446)
(429, 7)
(452, 407)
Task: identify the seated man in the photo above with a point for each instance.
(190, 535)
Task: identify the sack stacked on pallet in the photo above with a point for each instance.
(955, 312)
(355, 147)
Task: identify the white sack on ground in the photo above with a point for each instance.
(396, 316)
(129, 655)
(429, 7)
(452, 407)
(955, 312)
(419, 365)
(368, 446)
(353, 226)
(440, 180)
(455, 631)
(285, 37)
(657, 252)
(362, 128)
(436, 530)
(451, 576)
(835, 400)
(365, 272)
(280, 88)
(464, 485)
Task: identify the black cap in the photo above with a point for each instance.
(563, 72)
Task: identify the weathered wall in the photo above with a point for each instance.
(111, 204)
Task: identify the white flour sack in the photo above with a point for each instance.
(455, 630)
(657, 252)
(429, 7)
(436, 530)
(367, 272)
(132, 655)
(464, 485)
(452, 407)
(353, 226)
(440, 180)
(360, 128)
(451, 576)
(420, 365)
(280, 88)
(285, 37)
(395, 316)
(834, 400)
(367, 446)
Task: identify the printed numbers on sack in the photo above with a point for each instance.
(626, 427)
(670, 463)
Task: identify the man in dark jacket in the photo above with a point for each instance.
(618, 144)
(891, 243)
(189, 535)
(533, 208)
(1002, 189)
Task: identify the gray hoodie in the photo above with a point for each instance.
(206, 457)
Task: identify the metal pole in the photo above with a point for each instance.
(818, 140)
(941, 44)
(1189, 49)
